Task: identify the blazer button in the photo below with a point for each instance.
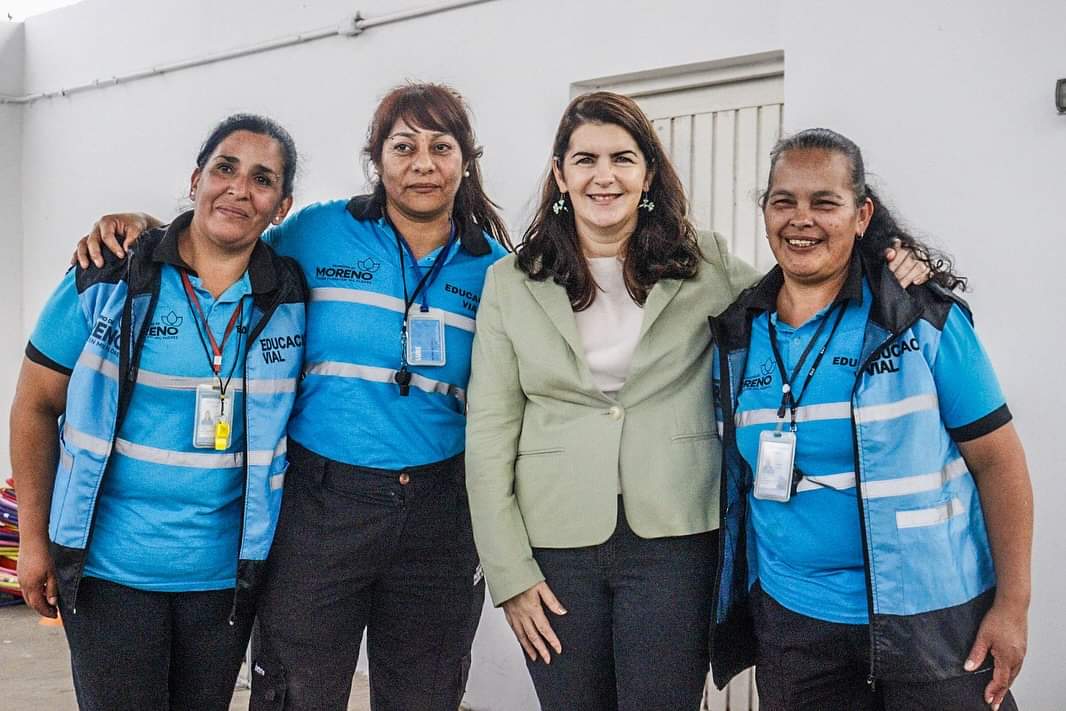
(615, 413)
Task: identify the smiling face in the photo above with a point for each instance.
(811, 215)
(238, 191)
(420, 170)
(604, 172)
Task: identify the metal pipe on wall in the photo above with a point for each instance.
(350, 27)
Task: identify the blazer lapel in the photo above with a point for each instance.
(661, 294)
(552, 298)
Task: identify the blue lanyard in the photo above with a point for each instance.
(403, 375)
(789, 398)
(428, 278)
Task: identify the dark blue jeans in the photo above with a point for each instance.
(391, 552)
(804, 663)
(635, 634)
(134, 650)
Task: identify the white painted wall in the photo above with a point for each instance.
(953, 108)
(11, 70)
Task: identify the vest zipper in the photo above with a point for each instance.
(871, 678)
(253, 333)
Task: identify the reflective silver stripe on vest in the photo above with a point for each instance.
(262, 458)
(277, 481)
(916, 484)
(97, 362)
(382, 375)
(931, 516)
(804, 413)
(168, 457)
(256, 386)
(195, 460)
(902, 486)
(382, 301)
(892, 410)
(81, 440)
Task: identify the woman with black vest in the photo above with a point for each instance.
(876, 509)
(148, 512)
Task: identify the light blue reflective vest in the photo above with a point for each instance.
(120, 299)
(928, 564)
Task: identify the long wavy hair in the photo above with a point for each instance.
(884, 226)
(437, 107)
(663, 246)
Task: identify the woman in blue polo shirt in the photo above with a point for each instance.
(375, 528)
(172, 373)
(876, 509)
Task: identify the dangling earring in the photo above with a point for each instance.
(646, 204)
(466, 173)
(560, 205)
(859, 236)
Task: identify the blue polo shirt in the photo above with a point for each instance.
(161, 527)
(349, 408)
(807, 553)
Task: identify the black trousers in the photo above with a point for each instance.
(391, 552)
(134, 650)
(804, 663)
(635, 634)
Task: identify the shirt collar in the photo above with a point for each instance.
(261, 272)
(372, 207)
(764, 297)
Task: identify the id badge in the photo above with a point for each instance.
(425, 337)
(773, 469)
(212, 427)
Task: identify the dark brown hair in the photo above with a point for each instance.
(436, 107)
(883, 227)
(663, 245)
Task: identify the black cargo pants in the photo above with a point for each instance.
(391, 552)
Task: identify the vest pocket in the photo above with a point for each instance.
(927, 551)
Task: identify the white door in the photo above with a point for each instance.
(719, 139)
(718, 122)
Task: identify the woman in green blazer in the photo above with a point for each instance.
(592, 455)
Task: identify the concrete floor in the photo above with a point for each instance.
(35, 667)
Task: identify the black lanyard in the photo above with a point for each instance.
(215, 360)
(788, 400)
(403, 375)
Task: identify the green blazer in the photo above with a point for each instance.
(546, 450)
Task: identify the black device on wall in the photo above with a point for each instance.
(1060, 96)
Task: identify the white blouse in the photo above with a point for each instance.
(610, 328)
